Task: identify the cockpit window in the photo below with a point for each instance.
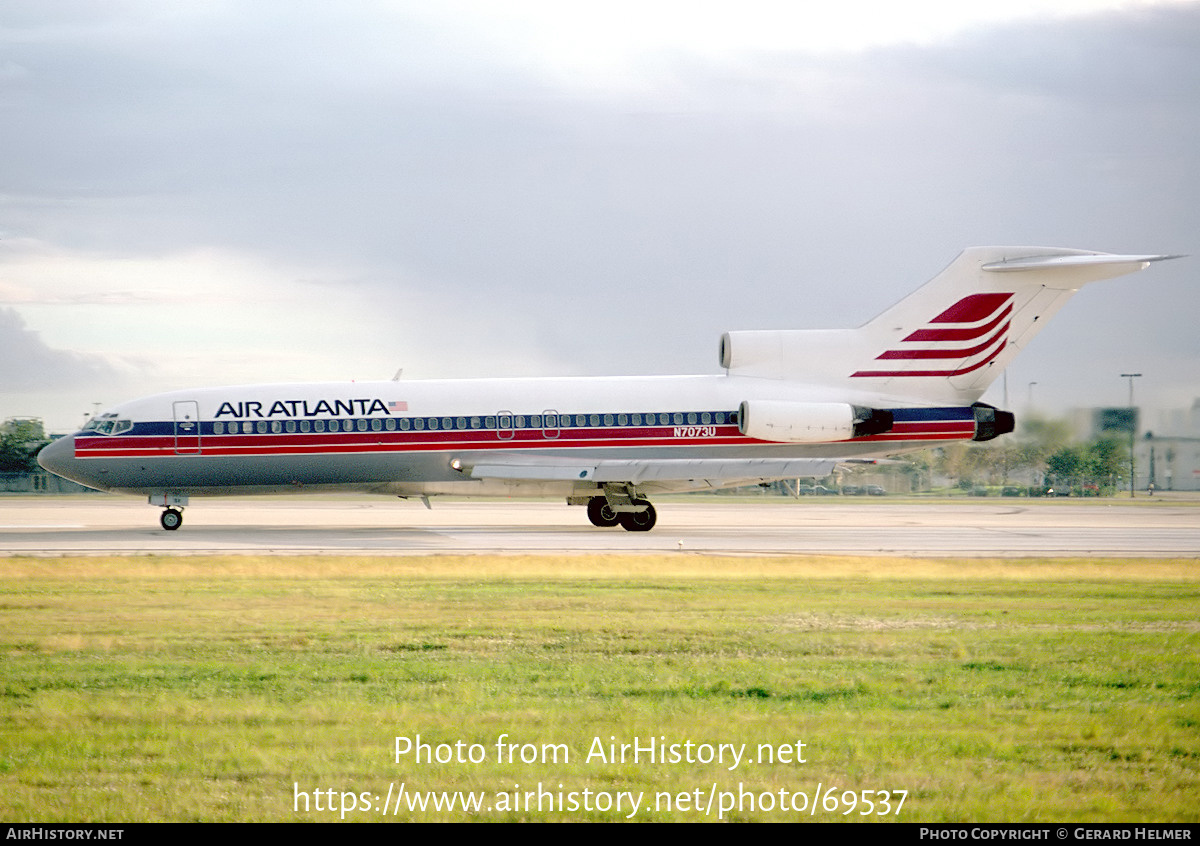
(107, 424)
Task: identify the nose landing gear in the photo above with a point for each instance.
(172, 505)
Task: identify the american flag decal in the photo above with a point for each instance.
(397, 406)
(963, 338)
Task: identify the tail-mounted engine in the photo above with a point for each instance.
(809, 422)
(991, 422)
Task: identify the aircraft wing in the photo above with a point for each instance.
(719, 471)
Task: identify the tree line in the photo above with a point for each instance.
(20, 442)
(1042, 456)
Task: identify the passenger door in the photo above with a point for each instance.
(187, 427)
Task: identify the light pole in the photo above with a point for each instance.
(1132, 426)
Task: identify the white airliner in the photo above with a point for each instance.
(790, 404)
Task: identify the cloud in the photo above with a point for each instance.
(459, 201)
(27, 364)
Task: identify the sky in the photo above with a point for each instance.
(208, 193)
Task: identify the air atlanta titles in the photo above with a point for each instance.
(304, 408)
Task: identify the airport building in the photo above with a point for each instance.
(1168, 455)
(1166, 445)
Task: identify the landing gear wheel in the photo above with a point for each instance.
(638, 521)
(171, 519)
(600, 513)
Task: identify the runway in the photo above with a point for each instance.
(1007, 528)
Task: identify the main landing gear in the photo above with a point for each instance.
(171, 519)
(602, 514)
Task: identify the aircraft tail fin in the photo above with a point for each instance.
(949, 339)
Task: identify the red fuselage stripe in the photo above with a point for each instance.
(332, 444)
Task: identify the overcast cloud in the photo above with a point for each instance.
(205, 193)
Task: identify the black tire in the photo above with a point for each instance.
(171, 519)
(638, 521)
(600, 513)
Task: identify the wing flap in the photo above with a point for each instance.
(534, 472)
(720, 470)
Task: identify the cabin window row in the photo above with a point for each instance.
(498, 421)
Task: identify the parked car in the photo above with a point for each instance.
(875, 490)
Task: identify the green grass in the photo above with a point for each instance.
(205, 688)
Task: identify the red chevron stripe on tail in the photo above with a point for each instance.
(970, 318)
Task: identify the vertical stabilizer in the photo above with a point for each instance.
(948, 340)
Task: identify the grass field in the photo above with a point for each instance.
(240, 688)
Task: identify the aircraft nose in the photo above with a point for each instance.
(58, 457)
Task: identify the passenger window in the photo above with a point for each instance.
(404, 424)
(705, 418)
(390, 424)
(290, 425)
(334, 426)
(261, 427)
(691, 418)
(319, 425)
(678, 418)
(637, 420)
(377, 425)
(276, 427)
(419, 423)
(218, 428)
(594, 419)
(460, 423)
(305, 426)
(622, 419)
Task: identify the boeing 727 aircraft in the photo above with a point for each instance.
(790, 404)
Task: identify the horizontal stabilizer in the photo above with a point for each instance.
(1052, 262)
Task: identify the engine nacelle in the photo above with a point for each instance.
(809, 422)
(754, 348)
(991, 422)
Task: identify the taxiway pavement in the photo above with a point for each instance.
(1019, 528)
